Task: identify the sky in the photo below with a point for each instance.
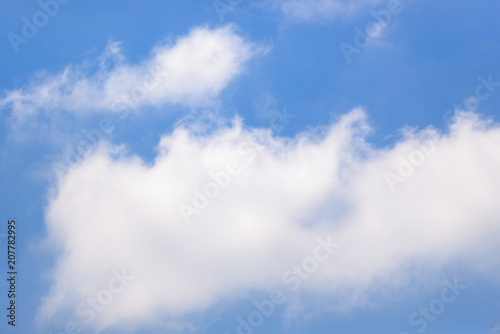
(237, 166)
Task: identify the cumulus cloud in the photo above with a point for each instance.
(192, 71)
(429, 200)
(321, 10)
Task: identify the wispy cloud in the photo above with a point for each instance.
(192, 71)
(322, 10)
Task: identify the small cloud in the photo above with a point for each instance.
(321, 10)
(191, 72)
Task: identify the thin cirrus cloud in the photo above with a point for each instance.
(192, 71)
(114, 211)
(311, 11)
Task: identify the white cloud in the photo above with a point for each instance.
(113, 211)
(321, 10)
(192, 72)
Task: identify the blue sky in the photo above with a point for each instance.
(180, 162)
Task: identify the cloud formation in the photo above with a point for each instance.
(192, 71)
(322, 10)
(114, 211)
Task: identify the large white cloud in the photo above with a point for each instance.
(429, 200)
(191, 71)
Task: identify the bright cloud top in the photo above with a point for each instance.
(192, 71)
(431, 199)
